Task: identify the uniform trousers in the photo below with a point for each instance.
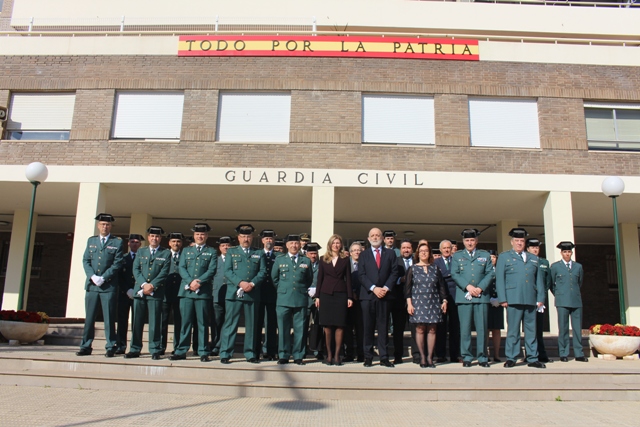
(268, 319)
(194, 309)
(171, 306)
(375, 315)
(91, 302)
(218, 315)
(476, 314)
(230, 328)
(142, 306)
(288, 318)
(125, 305)
(563, 331)
(526, 315)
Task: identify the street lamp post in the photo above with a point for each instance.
(613, 187)
(36, 173)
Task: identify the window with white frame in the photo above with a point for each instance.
(254, 117)
(501, 122)
(612, 126)
(148, 115)
(40, 116)
(398, 119)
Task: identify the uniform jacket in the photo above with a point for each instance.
(267, 289)
(370, 275)
(126, 280)
(238, 267)
(220, 281)
(292, 280)
(198, 265)
(103, 262)
(476, 270)
(172, 284)
(518, 282)
(151, 270)
(566, 284)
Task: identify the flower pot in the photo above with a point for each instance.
(22, 331)
(617, 345)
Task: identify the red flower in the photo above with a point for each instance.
(619, 330)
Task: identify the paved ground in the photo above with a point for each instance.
(35, 406)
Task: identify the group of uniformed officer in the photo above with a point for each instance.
(207, 289)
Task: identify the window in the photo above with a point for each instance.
(36, 259)
(511, 123)
(148, 115)
(612, 126)
(254, 117)
(40, 116)
(397, 119)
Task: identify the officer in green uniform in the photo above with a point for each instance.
(566, 279)
(245, 270)
(473, 273)
(102, 261)
(533, 247)
(267, 307)
(521, 290)
(390, 242)
(197, 267)
(219, 294)
(126, 282)
(150, 269)
(278, 246)
(292, 276)
(171, 302)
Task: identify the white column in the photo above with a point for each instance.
(140, 222)
(558, 226)
(630, 254)
(16, 258)
(322, 214)
(91, 202)
(502, 234)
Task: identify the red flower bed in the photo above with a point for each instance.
(617, 329)
(24, 316)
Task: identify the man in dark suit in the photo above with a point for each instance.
(266, 315)
(126, 282)
(171, 303)
(354, 313)
(219, 295)
(450, 322)
(378, 273)
(398, 305)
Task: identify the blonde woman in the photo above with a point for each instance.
(334, 296)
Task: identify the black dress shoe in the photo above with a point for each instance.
(441, 359)
(195, 353)
(536, 364)
(385, 362)
(360, 359)
(338, 363)
(564, 359)
(110, 353)
(131, 355)
(120, 351)
(543, 359)
(320, 356)
(484, 365)
(368, 363)
(424, 365)
(253, 360)
(84, 352)
(269, 357)
(161, 353)
(299, 362)
(283, 361)
(205, 358)
(348, 359)
(581, 359)
(225, 361)
(214, 353)
(156, 356)
(431, 365)
(398, 361)
(466, 364)
(416, 360)
(509, 364)
(497, 359)
(178, 357)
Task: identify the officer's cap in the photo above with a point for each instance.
(454, 242)
(278, 242)
(312, 247)
(190, 240)
(267, 233)
(470, 233)
(361, 242)
(492, 252)
(532, 242)
(201, 227)
(566, 246)
(518, 233)
(224, 239)
(154, 229)
(389, 233)
(136, 237)
(292, 238)
(105, 217)
(172, 236)
(435, 252)
(304, 237)
(245, 229)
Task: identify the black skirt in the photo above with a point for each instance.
(496, 318)
(333, 309)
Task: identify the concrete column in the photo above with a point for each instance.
(140, 222)
(502, 234)
(16, 258)
(91, 202)
(322, 214)
(630, 253)
(558, 226)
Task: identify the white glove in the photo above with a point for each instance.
(541, 309)
(239, 293)
(98, 280)
(130, 293)
(468, 296)
(311, 292)
(494, 302)
(140, 293)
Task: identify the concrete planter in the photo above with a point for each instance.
(619, 346)
(23, 332)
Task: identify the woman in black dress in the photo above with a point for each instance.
(426, 301)
(333, 296)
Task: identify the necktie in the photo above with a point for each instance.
(246, 251)
(133, 256)
(521, 256)
(568, 266)
(199, 249)
(378, 257)
(103, 241)
(153, 253)
(406, 263)
(355, 266)
(175, 257)
(446, 262)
